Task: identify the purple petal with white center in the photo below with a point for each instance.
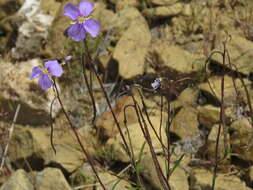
(36, 72)
(71, 11)
(76, 32)
(54, 68)
(92, 27)
(45, 82)
(86, 8)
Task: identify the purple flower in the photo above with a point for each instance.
(156, 84)
(83, 23)
(52, 67)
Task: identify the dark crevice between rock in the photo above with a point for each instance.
(32, 162)
(206, 98)
(111, 73)
(10, 7)
(110, 6)
(218, 69)
(240, 162)
(174, 138)
(158, 22)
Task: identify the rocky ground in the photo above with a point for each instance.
(179, 41)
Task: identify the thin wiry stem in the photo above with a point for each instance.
(131, 147)
(51, 125)
(91, 64)
(149, 121)
(146, 134)
(86, 153)
(89, 85)
(221, 123)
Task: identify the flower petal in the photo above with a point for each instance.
(71, 11)
(54, 68)
(45, 82)
(76, 32)
(92, 27)
(86, 8)
(35, 72)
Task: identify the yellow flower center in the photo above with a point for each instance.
(83, 19)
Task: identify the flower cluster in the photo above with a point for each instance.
(82, 24)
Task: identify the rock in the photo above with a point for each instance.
(122, 21)
(211, 144)
(66, 144)
(28, 142)
(50, 7)
(240, 54)
(202, 179)
(234, 101)
(16, 88)
(163, 2)
(113, 182)
(51, 179)
(33, 28)
(34, 146)
(229, 91)
(250, 175)
(18, 180)
(178, 179)
(105, 16)
(164, 11)
(83, 176)
(7, 10)
(106, 123)
(188, 97)
(185, 123)
(115, 145)
(241, 139)
(208, 115)
(175, 58)
(121, 4)
(128, 53)
(9, 7)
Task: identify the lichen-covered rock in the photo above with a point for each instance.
(106, 123)
(163, 2)
(33, 28)
(185, 123)
(222, 148)
(235, 96)
(164, 11)
(188, 97)
(240, 54)
(115, 145)
(202, 179)
(113, 182)
(128, 54)
(51, 179)
(18, 180)
(208, 115)
(174, 57)
(121, 4)
(242, 139)
(28, 142)
(178, 180)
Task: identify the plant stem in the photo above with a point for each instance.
(86, 153)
